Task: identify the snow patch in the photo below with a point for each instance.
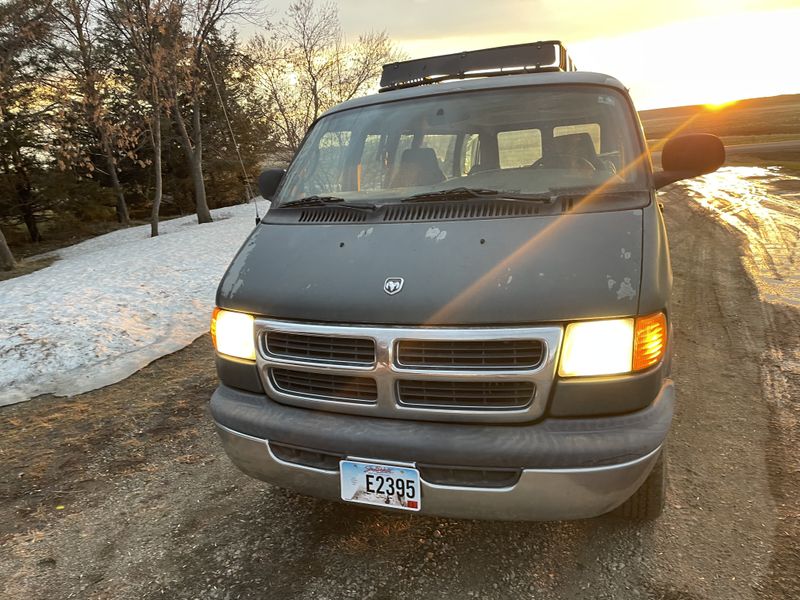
(113, 304)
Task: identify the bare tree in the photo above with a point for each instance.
(307, 66)
(26, 104)
(152, 29)
(202, 19)
(79, 57)
(7, 261)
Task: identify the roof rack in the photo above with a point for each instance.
(534, 57)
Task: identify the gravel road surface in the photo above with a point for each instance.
(125, 492)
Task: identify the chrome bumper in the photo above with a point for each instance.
(539, 495)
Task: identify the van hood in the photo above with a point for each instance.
(470, 272)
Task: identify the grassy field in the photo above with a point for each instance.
(750, 121)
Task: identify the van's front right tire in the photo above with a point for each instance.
(647, 503)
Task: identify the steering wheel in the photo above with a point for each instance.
(564, 161)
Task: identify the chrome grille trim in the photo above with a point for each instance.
(318, 348)
(489, 355)
(325, 386)
(386, 370)
(465, 395)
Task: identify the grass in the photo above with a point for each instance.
(26, 266)
(56, 234)
(752, 121)
(32, 256)
(737, 140)
(747, 121)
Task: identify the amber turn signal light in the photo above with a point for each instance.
(214, 327)
(649, 340)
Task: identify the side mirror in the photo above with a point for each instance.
(269, 181)
(688, 156)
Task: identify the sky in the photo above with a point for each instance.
(669, 53)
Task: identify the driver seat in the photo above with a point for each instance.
(577, 144)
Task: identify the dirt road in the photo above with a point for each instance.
(125, 493)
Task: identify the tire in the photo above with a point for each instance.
(647, 503)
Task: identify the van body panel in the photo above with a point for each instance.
(469, 272)
(656, 284)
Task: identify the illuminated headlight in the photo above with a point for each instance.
(613, 346)
(232, 334)
(597, 348)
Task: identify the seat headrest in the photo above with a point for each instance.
(576, 144)
(418, 166)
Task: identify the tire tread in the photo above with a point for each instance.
(647, 503)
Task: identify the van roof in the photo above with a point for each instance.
(495, 82)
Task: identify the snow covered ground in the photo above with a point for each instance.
(113, 304)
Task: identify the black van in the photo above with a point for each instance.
(458, 302)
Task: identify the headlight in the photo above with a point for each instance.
(232, 334)
(597, 348)
(613, 346)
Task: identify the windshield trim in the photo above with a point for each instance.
(495, 83)
(637, 130)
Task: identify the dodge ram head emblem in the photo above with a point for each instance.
(393, 285)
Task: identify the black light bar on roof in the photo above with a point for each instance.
(505, 60)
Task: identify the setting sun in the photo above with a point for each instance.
(714, 106)
(686, 53)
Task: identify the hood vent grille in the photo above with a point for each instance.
(411, 212)
(494, 209)
(331, 215)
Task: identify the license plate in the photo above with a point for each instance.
(380, 485)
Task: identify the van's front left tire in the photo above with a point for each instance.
(647, 503)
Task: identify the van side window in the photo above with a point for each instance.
(519, 148)
(371, 169)
(332, 150)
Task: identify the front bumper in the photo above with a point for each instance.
(570, 468)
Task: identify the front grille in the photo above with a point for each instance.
(325, 386)
(321, 348)
(491, 354)
(469, 477)
(465, 394)
(461, 375)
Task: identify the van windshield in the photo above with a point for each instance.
(524, 140)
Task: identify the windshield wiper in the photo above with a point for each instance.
(549, 197)
(464, 193)
(325, 201)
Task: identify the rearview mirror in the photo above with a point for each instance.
(688, 156)
(269, 181)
